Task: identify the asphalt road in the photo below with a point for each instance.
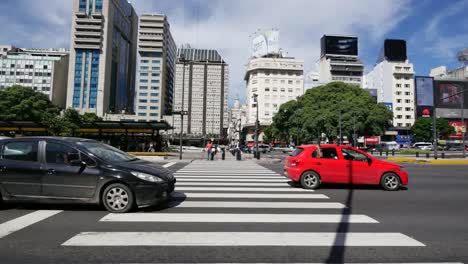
(429, 221)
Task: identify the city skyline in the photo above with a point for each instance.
(436, 27)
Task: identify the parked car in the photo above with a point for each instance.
(2, 137)
(455, 147)
(312, 165)
(423, 146)
(74, 170)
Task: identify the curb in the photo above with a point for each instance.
(434, 162)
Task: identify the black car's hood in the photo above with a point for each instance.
(147, 167)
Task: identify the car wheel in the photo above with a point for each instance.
(118, 198)
(310, 180)
(390, 182)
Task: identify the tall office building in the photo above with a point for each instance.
(206, 89)
(339, 60)
(156, 67)
(393, 77)
(101, 76)
(44, 70)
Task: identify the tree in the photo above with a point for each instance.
(25, 104)
(319, 110)
(90, 118)
(422, 129)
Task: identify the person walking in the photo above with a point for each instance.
(209, 149)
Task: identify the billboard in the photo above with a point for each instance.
(266, 43)
(395, 50)
(389, 106)
(424, 91)
(339, 45)
(459, 129)
(449, 94)
(424, 111)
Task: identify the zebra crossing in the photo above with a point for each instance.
(253, 195)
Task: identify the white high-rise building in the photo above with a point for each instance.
(206, 89)
(101, 76)
(156, 68)
(275, 80)
(44, 70)
(393, 77)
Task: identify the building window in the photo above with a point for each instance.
(407, 93)
(154, 87)
(408, 117)
(142, 107)
(154, 114)
(144, 61)
(154, 107)
(407, 101)
(99, 6)
(408, 109)
(82, 5)
(399, 116)
(155, 68)
(143, 101)
(143, 81)
(144, 68)
(143, 87)
(154, 101)
(156, 61)
(141, 114)
(267, 80)
(144, 74)
(290, 82)
(408, 124)
(154, 94)
(398, 100)
(275, 89)
(254, 89)
(399, 124)
(290, 90)
(283, 89)
(398, 85)
(267, 89)
(155, 74)
(143, 94)
(407, 86)
(397, 93)
(154, 81)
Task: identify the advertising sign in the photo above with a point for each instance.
(459, 129)
(372, 140)
(339, 45)
(424, 111)
(449, 94)
(266, 43)
(424, 90)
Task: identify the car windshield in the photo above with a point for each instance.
(106, 152)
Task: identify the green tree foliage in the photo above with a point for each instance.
(18, 103)
(25, 104)
(318, 111)
(422, 129)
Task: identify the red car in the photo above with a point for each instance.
(312, 165)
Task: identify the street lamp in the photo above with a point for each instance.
(255, 98)
(182, 59)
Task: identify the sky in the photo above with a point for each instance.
(434, 30)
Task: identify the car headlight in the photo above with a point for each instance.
(147, 177)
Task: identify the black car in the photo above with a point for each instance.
(75, 170)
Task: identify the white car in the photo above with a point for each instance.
(423, 146)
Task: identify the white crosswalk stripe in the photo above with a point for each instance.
(207, 191)
(25, 221)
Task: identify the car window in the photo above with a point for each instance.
(296, 152)
(315, 154)
(350, 154)
(58, 153)
(89, 161)
(329, 153)
(24, 151)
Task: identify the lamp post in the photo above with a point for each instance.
(182, 59)
(255, 98)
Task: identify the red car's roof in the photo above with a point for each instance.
(321, 145)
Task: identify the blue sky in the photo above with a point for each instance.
(435, 30)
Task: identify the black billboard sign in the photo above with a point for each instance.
(337, 45)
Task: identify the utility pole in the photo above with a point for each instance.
(182, 58)
(255, 98)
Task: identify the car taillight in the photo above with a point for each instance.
(294, 163)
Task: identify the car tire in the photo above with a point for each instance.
(118, 198)
(310, 180)
(390, 182)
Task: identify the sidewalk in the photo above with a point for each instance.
(431, 161)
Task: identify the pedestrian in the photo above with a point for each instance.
(209, 149)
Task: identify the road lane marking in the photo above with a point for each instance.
(169, 164)
(231, 184)
(230, 180)
(242, 189)
(216, 239)
(178, 176)
(237, 218)
(250, 195)
(278, 205)
(24, 221)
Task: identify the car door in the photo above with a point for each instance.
(63, 178)
(361, 172)
(20, 170)
(332, 168)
